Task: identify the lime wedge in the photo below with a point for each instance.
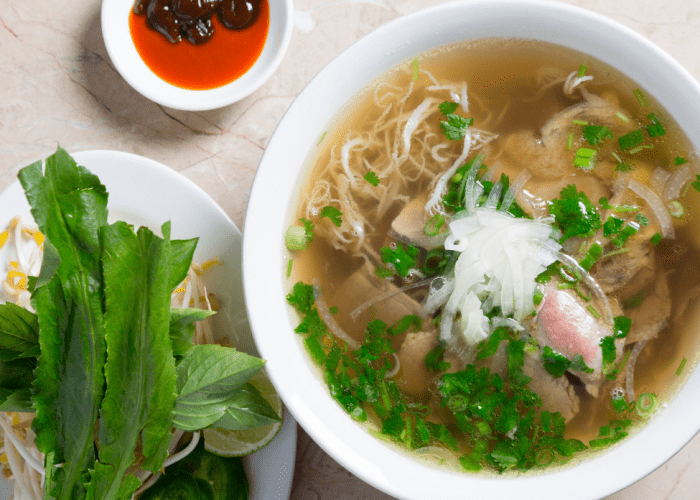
(227, 443)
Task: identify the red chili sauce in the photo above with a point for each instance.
(225, 56)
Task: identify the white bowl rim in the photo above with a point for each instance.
(122, 52)
(264, 256)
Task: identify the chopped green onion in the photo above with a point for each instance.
(580, 122)
(640, 97)
(622, 117)
(582, 71)
(656, 239)
(585, 297)
(641, 147)
(630, 140)
(593, 254)
(676, 209)
(289, 267)
(432, 227)
(323, 135)
(679, 160)
(313, 345)
(585, 158)
(646, 404)
(296, 239)
(537, 296)
(656, 129)
(616, 156)
(696, 183)
(593, 311)
(681, 366)
(619, 404)
(629, 230)
(613, 253)
(414, 64)
(569, 141)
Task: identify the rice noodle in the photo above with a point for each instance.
(325, 314)
(629, 382)
(573, 81)
(413, 122)
(676, 182)
(433, 205)
(656, 206)
(385, 296)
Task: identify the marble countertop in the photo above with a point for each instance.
(58, 86)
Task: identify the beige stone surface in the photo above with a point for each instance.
(58, 86)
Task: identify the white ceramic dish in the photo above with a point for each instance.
(145, 192)
(264, 255)
(121, 49)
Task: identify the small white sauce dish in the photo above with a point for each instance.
(275, 190)
(121, 49)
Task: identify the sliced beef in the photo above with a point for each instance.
(409, 225)
(652, 314)
(557, 394)
(413, 377)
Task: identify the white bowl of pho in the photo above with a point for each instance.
(469, 254)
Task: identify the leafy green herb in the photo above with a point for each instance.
(333, 214)
(434, 358)
(642, 220)
(401, 258)
(624, 167)
(557, 364)
(594, 134)
(383, 272)
(621, 327)
(612, 226)
(454, 127)
(372, 178)
(574, 214)
(402, 325)
(679, 160)
(19, 333)
(656, 239)
(696, 183)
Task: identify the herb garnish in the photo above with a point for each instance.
(455, 126)
(333, 215)
(574, 214)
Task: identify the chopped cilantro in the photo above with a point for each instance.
(679, 160)
(333, 214)
(455, 128)
(582, 71)
(302, 297)
(556, 364)
(402, 258)
(402, 325)
(372, 178)
(656, 239)
(621, 326)
(434, 360)
(594, 134)
(383, 272)
(630, 140)
(624, 167)
(642, 220)
(290, 262)
(574, 214)
(448, 107)
(612, 226)
(696, 183)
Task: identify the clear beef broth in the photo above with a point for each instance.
(513, 86)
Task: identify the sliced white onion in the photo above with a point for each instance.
(676, 182)
(657, 207)
(325, 314)
(397, 365)
(659, 179)
(384, 296)
(629, 383)
(434, 203)
(514, 189)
